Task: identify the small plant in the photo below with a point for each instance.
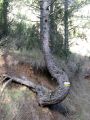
(27, 37)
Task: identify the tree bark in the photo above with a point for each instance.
(62, 90)
(52, 28)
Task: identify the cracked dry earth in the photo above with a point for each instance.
(18, 102)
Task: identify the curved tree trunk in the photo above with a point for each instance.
(62, 90)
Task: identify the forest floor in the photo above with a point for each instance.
(20, 103)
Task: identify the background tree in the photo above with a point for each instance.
(3, 18)
(56, 35)
(66, 44)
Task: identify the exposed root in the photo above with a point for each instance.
(39, 90)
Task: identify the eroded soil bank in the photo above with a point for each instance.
(20, 103)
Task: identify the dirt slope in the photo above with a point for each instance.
(18, 102)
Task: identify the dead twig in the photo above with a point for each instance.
(4, 86)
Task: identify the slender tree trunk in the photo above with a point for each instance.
(5, 21)
(4, 24)
(66, 45)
